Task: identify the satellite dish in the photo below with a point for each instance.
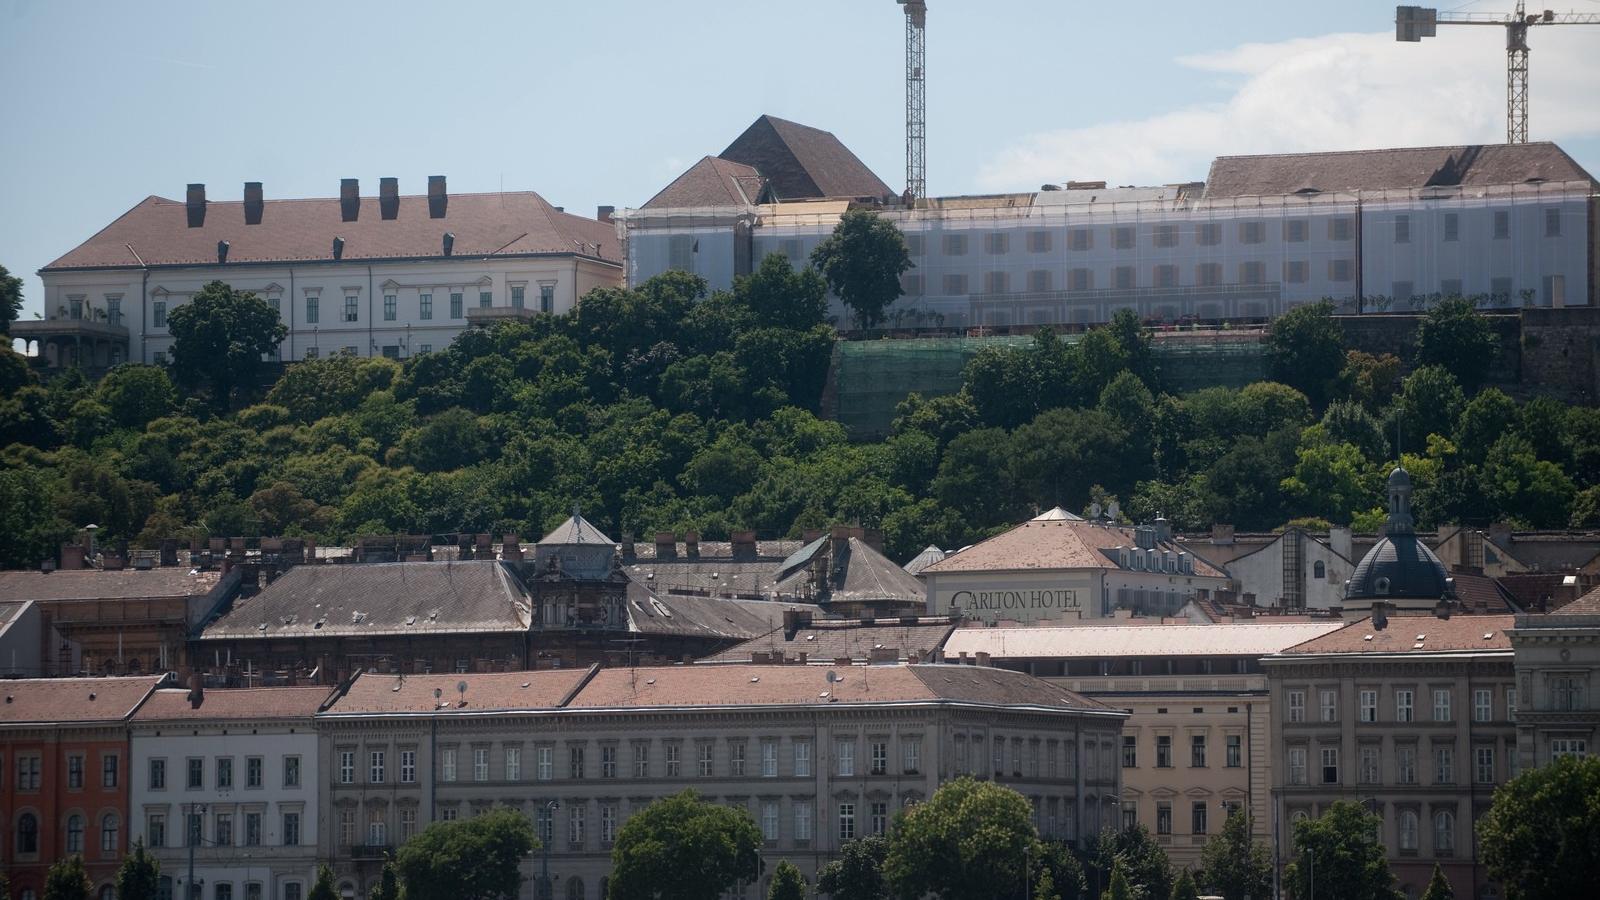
(1114, 511)
(437, 693)
(833, 677)
(461, 687)
(1094, 510)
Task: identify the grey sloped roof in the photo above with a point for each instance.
(1412, 570)
(824, 641)
(381, 598)
(800, 162)
(929, 555)
(708, 617)
(576, 530)
(723, 577)
(1405, 168)
(855, 573)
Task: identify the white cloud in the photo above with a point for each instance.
(1334, 92)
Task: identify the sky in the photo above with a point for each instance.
(594, 102)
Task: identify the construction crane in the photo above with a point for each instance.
(916, 101)
(1413, 23)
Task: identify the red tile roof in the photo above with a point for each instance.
(1452, 635)
(505, 224)
(57, 700)
(711, 182)
(234, 703)
(1052, 545)
(1587, 605)
(486, 691)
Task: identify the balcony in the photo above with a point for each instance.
(63, 342)
(371, 851)
(488, 315)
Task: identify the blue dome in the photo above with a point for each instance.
(1399, 566)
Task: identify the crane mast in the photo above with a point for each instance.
(916, 101)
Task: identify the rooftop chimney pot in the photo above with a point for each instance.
(349, 199)
(389, 197)
(195, 205)
(253, 202)
(438, 199)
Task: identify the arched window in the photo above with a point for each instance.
(1408, 830)
(74, 833)
(1300, 815)
(107, 892)
(28, 833)
(1444, 832)
(1380, 586)
(164, 891)
(575, 889)
(110, 832)
(1319, 569)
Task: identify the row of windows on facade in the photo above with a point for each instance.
(1404, 706)
(222, 832)
(1199, 814)
(351, 311)
(1233, 751)
(27, 834)
(223, 773)
(1126, 278)
(1408, 822)
(224, 890)
(1059, 758)
(1369, 769)
(30, 765)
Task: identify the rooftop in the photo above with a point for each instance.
(1053, 544)
(1132, 639)
(711, 182)
(576, 530)
(485, 692)
(1587, 605)
(717, 618)
(1413, 635)
(799, 161)
(101, 584)
(168, 704)
(826, 640)
(1406, 168)
(78, 700)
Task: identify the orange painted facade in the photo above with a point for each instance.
(64, 792)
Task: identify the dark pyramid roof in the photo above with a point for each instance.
(576, 530)
(1406, 168)
(711, 182)
(800, 162)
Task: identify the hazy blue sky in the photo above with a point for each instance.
(604, 101)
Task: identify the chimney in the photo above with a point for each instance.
(1163, 529)
(666, 545)
(197, 690)
(1339, 536)
(1221, 534)
(840, 533)
(389, 197)
(195, 205)
(1380, 615)
(879, 656)
(222, 251)
(691, 544)
(1500, 533)
(744, 545)
(605, 212)
(511, 549)
(449, 243)
(983, 658)
(349, 199)
(252, 202)
(627, 547)
(338, 248)
(791, 623)
(438, 200)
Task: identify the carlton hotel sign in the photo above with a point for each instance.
(1013, 597)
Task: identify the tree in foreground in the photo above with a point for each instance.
(1141, 860)
(220, 336)
(1233, 866)
(683, 848)
(1045, 887)
(1541, 838)
(68, 880)
(1341, 849)
(969, 839)
(140, 875)
(1438, 886)
(1119, 888)
(470, 859)
(862, 262)
(1456, 336)
(1306, 350)
(388, 884)
(787, 883)
(857, 872)
(323, 889)
(10, 299)
(1184, 888)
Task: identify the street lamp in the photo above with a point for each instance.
(546, 890)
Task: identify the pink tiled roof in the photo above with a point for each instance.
(486, 691)
(56, 700)
(1455, 634)
(1051, 545)
(234, 703)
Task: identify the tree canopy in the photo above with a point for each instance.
(857, 872)
(862, 262)
(469, 859)
(1454, 335)
(1541, 838)
(968, 838)
(787, 883)
(220, 337)
(1341, 850)
(10, 300)
(68, 880)
(1306, 349)
(1233, 865)
(683, 848)
(1138, 858)
(139, 877)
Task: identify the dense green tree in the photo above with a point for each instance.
(136, 394)
(1133, 853)
(862, 262)
(787, 883)
(1341, 850)
(1369, 380)
(323, 888)
(1457, 337)
(1119, 889)
(10, 299)
(15, 374)
(1541, 838)
(1330, 481)
(1438, 886)
(684, 848)
(388, 887)
(972, 478)
(1184, 888)
(470, 859)
(220, 337)
(1348, 422)
(1233, 865)
(857, 872)
(1485, 418)
(778, 296)
(968, 839)
(1430, 402)
(315, 388)
(1306, 350)
(68, 880)
(1045, 887)
(139, 877)
(1525, 487)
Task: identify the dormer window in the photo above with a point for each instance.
(1380, 586)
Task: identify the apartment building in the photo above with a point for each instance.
(1415, 717)
(816, 760)
(1196, 743)
(389, 275)
(1558, 677)
(229, 779)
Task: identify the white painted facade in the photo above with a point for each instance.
(246, 814)
(1064, 594)
(1313, 578)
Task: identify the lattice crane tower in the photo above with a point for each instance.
(1413, 23)
(916, 101)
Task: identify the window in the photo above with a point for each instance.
(447, 764)
(1080, 280)
(223, 891)
(196, 773)
(846, 758)
(1235, 751)
(997, 242)
(880, 758)
(955, 284)
(1405, 765)
(1130, 815)
(847, 822)
(1123, 278)
(347, 827)
(485, 299)
(1511, 702)
(1122, 237)
(28, 833)
(1552, 222)
(1328, 704)
(1560, 747)
(641, 760)
(680, 252)
(736, 758)
(1330, 765)
(547, 297)
(1369, 765)
(608, 824)
(955, 245)
(575, 817)
(425, 306)
(608, 761)
(1252, 273)
(391, 306)
(996, 283)
(1482, 705)
(252, 829)
(158, 310)
(802, 820)
(455, 304)
(224, 830)
(1166, 276)
(1297, 706)
(1295, 230)
(1208, 274)
(1341, 229)
(195, 830)
(1163, 751)
(155, 830)
(1197, 817)
(291, 890)
(1444, 832)
(408, 823)
(769, 759)
(1502, 225)
(544, 763)
(1402, 706)
(1038, 242)
(1483, 765)
(74, 834)
(1566, 695)
(769, 821)
(1165, 235)
(674, 765)
(1402, 229)
(1452, 227)
(802, 759)
(880, 818)
(1080, 239)
(1296, 766)
(448, 814)
(77, 307)
(1369, 706)
(1441, 704)
(75, 772)
(1444, 765)
(1297, 271)
(351, 312)
(408, 766)
(1408, 830)
(1208, 234)
(291, 829)
(1252, 232)
(1340, 270)
(480, 763)
(1130, 751)
(347, 767)
(424, 348)
(1039, 280)
(28, 773)
(1197, 751)
(1163, 817)
(545, 822)
(110, 833)
(519, 296)
(705, 758)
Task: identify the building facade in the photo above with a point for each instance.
(388, 275)
(1558, 679)
(229, 780)
(1416, 717)
(64, 751)
(814, 761)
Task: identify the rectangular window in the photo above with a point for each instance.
(1297, 271)
(291, 829)
(1165, 235)
(1341, 229)
(608, 761)
(802, 820)
(224, 829)
(1560, 747)
(955, 245)
(1295, 230)
(769, 759)
(911, 755)
(1297, 765)
(846, 758)
(1369, 765)
(1441, 704)
(1511, 702)
(1039, 280)
(879, 812)
(1197, 817)
(1208, 274)
(1253, 273)
(347, 827)
(1405, 765)
(997, 242)
(1483, 765)
(641, 760)
(110, 766)
(448, 814)
(547, 297)
(1330, 765)
(347, 767)
(352, 312)
(158, 310)
(1197, 751)
(1166, 276)
(1130, 751)
(1553, 290)
(1402, 706)
(391, 307)
(544, 763)
(1328, 704)
(252, 829)
(1482, 705)
(425, 306)
(705, 758)
(447, 764)
(914, 244)
(674, 764)
(1452, 227)
(880, 758)
(513, 763)
(1402, 229)
(1123, 237)
(911, 284)
(1252, 232)
(375, 767)
(736, 758)
(196, 778)
(424, 348)
(996, 282)
(313, 309)
(1163, 751)
(1208, 234)
(1444, 765)
(252, 771)
(1502, 225)
(1552, 222)
(480, 763)
(575, 827)
(1369, 706)
(1235, 748)
(954, 284)
(1080, 280)
(1297, 706)
(455, 304)
(802, 759)
(1038, 242)
(847, 822)
(408, 823)
(76, 307)
(75, 772)
(1163, 817)
(195, 831)
(519, 296)
(608, 824)
(156, 830)
(1341, 270)
(485, 299)
(769, 821)
(1123, 278)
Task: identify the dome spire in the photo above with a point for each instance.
(1400, 521)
